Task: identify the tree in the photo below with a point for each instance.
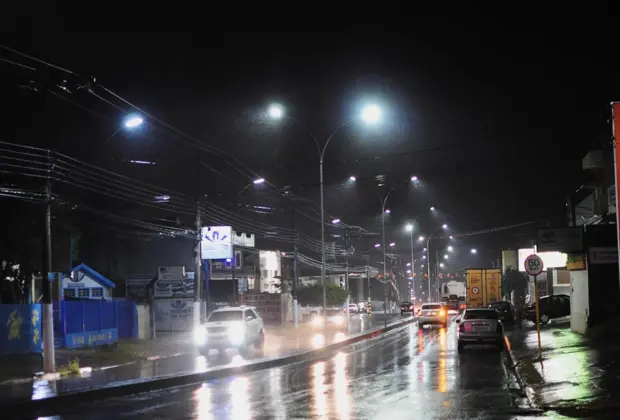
(312, 295)
(513, 280)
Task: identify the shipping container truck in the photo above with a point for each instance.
(483, 286)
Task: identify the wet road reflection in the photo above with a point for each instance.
(409, 374)
(278, 343)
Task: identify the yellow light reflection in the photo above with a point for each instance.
(239, 388)
(319, 389)
(202, 402)
(420, 341)
(343, 397)
(443, 354)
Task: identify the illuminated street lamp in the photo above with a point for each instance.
(336, 221)
(421, 238)
(258, 181)
(387, 211)
(377, 245)
(450, 248)
(441, 265)
(370, 114)
(474, 251)
(392, 244)
(414, 178)
(133, 121)
(445, 257)
(432, 208)
(352, 179)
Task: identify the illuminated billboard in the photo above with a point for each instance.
(552, 259)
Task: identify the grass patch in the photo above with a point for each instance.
(70, 369)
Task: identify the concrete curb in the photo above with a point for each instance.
(52, 405)
(512, 366)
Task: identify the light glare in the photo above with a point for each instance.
(371, 114)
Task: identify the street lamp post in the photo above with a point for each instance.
(428, 257)
(370, 114)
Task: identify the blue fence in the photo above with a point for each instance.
(20, 329)
(80, 323)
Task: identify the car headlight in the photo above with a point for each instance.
(339, 320)
(236, 334)
(317, 320)
(200, 336)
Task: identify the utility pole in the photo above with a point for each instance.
(198, 268)
(368, 278)
(49, 357)
(232, 268)
(294, 285)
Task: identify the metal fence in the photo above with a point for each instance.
(80, 323)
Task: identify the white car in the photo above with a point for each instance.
(480, 326)
(432, 314)
(231, 328)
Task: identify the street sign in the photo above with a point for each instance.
(534, 265)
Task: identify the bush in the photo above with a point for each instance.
(312, 295)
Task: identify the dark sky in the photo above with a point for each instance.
(492, 114)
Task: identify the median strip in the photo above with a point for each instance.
(52, 405)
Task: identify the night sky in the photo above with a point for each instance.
(493, 115)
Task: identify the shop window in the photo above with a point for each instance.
(83, 293)
(96, 292)
(68, 293)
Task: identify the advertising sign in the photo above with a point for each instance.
(474, 288)
(185, 289)
(568, 240)
(600, 255)
(136, 285)
(171, 273)
(173, 315)
(216, 243)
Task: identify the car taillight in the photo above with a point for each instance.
(462, 328)
(466, 327)
(442, 313)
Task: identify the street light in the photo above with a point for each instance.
(444, 226)
(276, 111)
(387, 211)
(377, 245)
(409, 228)
(421, 238)
(474, 250)
(441, 265)
(450, 248)
(258, 181)
(336, 221)
(133, 121)
(392, 244)
(414, 178)
(352, 179)
(370, 114)
(432, 208)
(445, 257)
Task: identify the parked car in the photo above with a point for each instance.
(551, 307)
(479, 326)
(506, 312)
(406, 308)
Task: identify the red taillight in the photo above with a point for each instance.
(466, 327)
(462, 328)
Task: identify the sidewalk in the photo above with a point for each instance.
(149, 359)
(576, 376)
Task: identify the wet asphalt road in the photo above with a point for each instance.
(405, 374)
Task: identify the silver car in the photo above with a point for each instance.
(432, 314)
(480, 326)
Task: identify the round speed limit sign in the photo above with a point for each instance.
(533, 265)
